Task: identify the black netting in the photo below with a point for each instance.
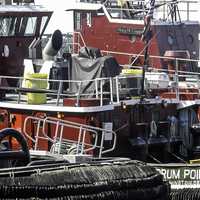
(185, 194)
(101, 181)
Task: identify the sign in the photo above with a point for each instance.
(180, 176)
(130, 31)
(108, 134)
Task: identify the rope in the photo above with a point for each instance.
(153, 129)
(173, 124)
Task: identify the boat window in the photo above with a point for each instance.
(7, 26)
(43, 24)
(31, 26)
(126, 9)
(77, 21)
(22, 26)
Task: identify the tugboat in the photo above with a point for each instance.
(118, 26)
(51, 141)
(85, 107)
(163, 120)
(170, 64)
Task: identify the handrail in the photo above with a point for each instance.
(60, 124)
(59, 93)
(83, 147)
(73, 40)
(110, 6)
(113, 91)
(150, 56)
(37, 137)
(106, 52)
(80, 41)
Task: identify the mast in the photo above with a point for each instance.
(146, 37)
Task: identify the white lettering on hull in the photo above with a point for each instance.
(170, 174)
(184, 174)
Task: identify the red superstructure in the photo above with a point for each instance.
(110, 27)
(116, 37)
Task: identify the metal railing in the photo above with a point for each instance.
(87, 139)
(72, 42)
(137, 9)
(109, 88)
(78, 42)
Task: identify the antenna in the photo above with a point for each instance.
(146, 37)
(174, 11)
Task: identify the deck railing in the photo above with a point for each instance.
(114, 92)
(87, 139)
(137, 9)
(72, 42)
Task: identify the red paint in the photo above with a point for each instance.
(184, 94)
(103, 35)
(4, 119)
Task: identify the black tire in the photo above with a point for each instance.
(9, 132)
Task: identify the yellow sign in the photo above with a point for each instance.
(121, 2)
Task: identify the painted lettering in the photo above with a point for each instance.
(170, 174)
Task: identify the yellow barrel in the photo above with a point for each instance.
(31, 81)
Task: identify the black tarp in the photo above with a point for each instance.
(87, 67)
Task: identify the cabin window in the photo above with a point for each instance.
(43, 23)
(7, 26)
(31, 26)
(77, 21)
(27, 26)
(22, 26)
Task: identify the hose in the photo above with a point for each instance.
(153, 129)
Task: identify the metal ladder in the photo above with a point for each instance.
(79, 146)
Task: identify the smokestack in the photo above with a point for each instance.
(53, 46)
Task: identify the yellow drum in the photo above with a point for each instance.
(36, 81)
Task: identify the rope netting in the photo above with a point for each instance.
(121, 180)
(185, 194)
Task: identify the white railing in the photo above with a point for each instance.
(113, 90)
(137, 9)
(72, 42)
(98, 92)
(110, 89)
(87, 139)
